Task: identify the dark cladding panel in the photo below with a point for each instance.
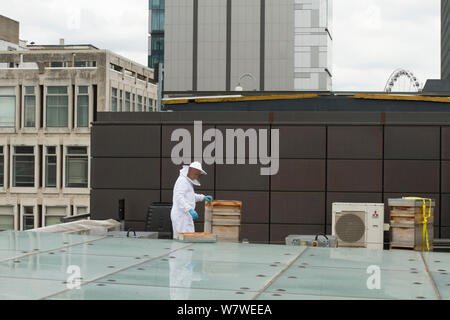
(445, 219)
(135, 225)
(199, 227)
(171, 172)
(241, 177)
(445, 232)
(126, 173)
(355, 142)
(298, 207)
(446, 143)
(126, 141)
(434, 196)
(355, 175)
(255, 205)
(105, 203)
(421, 143)
(302, 142)
(255, 233)
(445, 177)
(347, 197)
(279, 232)
(411, 176)
(300, 175)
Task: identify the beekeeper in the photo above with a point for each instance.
(183, 211)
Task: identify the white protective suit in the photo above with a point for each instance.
(184, 199)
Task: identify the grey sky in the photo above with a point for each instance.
(371, 37)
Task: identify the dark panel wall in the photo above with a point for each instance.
(319, 164)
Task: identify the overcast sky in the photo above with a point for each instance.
(371, 38)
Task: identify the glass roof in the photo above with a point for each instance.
(59, 266)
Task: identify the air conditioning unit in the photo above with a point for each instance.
(359, 225)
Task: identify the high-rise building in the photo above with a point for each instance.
(156, 31)
(264, 45)
(445, 39)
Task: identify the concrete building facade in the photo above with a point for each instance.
(445, 39)
(264, 45)
(9, 30)
(49, 96)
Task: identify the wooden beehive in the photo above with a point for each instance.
(406, 219)
(196, 237)
(223, 218)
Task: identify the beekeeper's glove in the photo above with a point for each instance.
(194, 214)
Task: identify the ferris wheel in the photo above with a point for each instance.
(402, 80)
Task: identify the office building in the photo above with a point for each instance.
(445, 39)
(263, 45)
(156, 33)
(49, 97)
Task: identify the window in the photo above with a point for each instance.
(59, 64)
(28, 218)
(2, 168)
(6, 218)
(11, 64)
(7, 107)
(139, 105)
(157, 20)
(57, 107)
(82, 210)
(127, 101)
(115, 67)
(53, 215)
(114, 100)
(30, 107)
(145, 104)
(77, 167)
(121, 102)
(150, 103)
(23, 167)
(134, 103)
(157, 4)
(85, 64)
(50, 167)
(83, 107)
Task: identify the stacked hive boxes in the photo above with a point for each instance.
(412, 223)
(223, 218)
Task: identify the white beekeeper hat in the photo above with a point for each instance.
(198, 166)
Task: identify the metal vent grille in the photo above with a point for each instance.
(350, 229)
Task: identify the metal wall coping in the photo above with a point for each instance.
(305, 96)
(244, 98)
(401, 97)
(274, 118)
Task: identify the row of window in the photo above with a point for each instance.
(69, 64)
(22, 166)
(127, 102)
(27, 217)
(56, 107)
(55, 64)
(130, 73)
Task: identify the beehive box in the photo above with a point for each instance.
(407, 224)
(195, 237)
(223, 218)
